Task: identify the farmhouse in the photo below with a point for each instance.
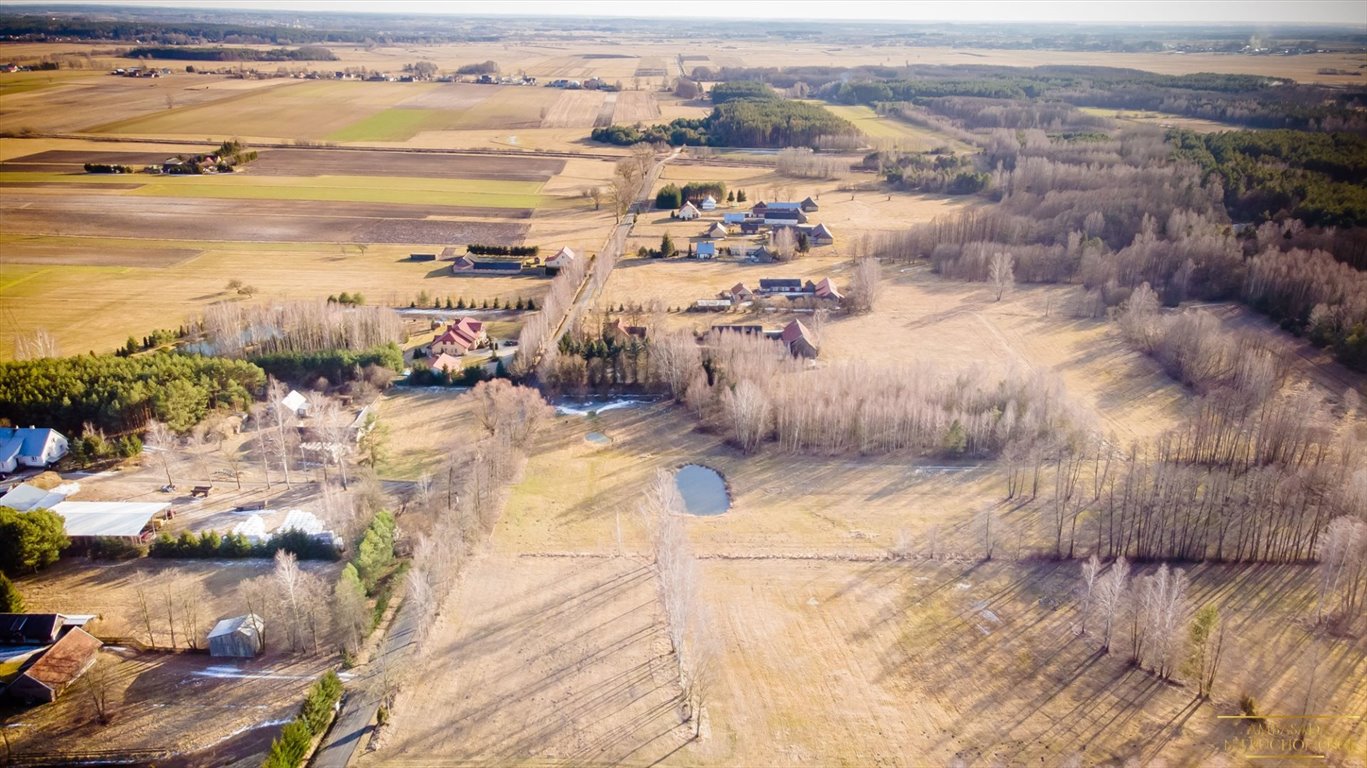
(822, 235)
(31, 447)
(458, 338)
(465, 264)
(709, 203)
(237, 637)
(562, 258)
(760, 255)
(688, 212)
(128, 520)
(809, 206)
(799, 340)
(59, 667)
(716, 232)
(706, 251)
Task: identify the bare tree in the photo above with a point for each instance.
(1163, 608)
(98, 686)
(261, 598)
(190, 612)
(595, 194)
(627, 181)
(1343, 567)
(424, 602)
(283, 420)
(674, 360)
(509, 411)
(143, 584)
(1001, 272)
(866, 285)
(1111, 593)
(289, 582)
(36, 344)
(1090, 568)
(169, 582)
(333, 425)
(749, 410)
(159, 440)
(783, 243)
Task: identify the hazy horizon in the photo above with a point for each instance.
(1348, 13)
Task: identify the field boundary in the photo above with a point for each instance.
(287, 145)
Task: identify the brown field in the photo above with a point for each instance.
(187, 702)
(636, 107)
(576, 109)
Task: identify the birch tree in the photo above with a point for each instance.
(1090, 568)
(1110, 599)
(866, 285)
(1001, 272)
(160, 441)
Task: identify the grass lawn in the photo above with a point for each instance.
(901, 134)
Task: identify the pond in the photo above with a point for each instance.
(703, 489)
(598, 438)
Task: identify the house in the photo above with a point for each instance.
(745, 330)
(296, 403)
(237, 637)
(562, 258)
(706, 251)
(458, 338)
(422, 257)
(24, 497)
(29, 628)
(826, 290)
(774, 285)
(734, 218)
(821, 235)
(464, 264)
(809, 206)
(739, 292)
(716, 232)
(709, 203)
(799, 340)
(688, 212)
(446, 363)
(30, 447)
(58, 667)
(760, 255)
(622, 334)
(751, 226)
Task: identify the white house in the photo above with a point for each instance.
(715, 232)
(562, 258)
(709, 203)
(31, 447)
(688, 212)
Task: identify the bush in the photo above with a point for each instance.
(30, 540)
(10, 599)
(335, 365)
(209, 545)
(322, 697)
(669, 197)
(477, 249)
(114, 548)
(291, 747)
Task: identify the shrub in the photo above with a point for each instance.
(10, 599)
(30, 540)
(114, 548)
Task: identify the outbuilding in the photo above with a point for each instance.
(58, 667)
(237, 637)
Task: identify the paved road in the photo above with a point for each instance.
(366, 689)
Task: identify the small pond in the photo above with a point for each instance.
(703, 490)
(598, 438)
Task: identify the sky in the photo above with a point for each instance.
(1241, 12)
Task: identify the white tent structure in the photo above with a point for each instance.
(122, 519)
(254, 528)
(295, 402)
(24, 497)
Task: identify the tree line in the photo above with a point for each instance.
(191, 53)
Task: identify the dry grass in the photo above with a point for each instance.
(575, 109)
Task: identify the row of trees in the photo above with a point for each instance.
(120, 394)
(234, 329)
(538, 329)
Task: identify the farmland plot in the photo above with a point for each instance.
(575, 109)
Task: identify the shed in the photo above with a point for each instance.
(238, 637)
(58, 668)
(24, 496)
(799, 340)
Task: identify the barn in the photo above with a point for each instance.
(238, 637)
(59, 667)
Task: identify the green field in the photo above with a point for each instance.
(901, 134)
(397, 125)
(482, 193)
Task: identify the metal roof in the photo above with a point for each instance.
(107, 518)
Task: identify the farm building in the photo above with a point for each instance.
(716, 232)
(751, 226)
(826, 290)
(458, 338)
(709, 203)
(31, 447)
(760, 255)
(781, 217)
(59, 667)
(422, 257)
(467, 265)
(706, 251)
(296, 403)
(131, 521)
(712, 304)
(822, 235)
(30, 628)
(809, 206)
(799, 340)
(562, 258)
(739, 292)
(24, 497)
(238, 637)
(734, 218)
(780, 285)
(688, 212)
(621, 334)
(761, 210)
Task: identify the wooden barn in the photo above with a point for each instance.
(237, 637)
